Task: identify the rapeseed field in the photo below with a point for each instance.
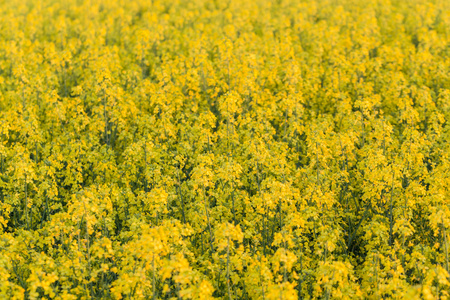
(224, 149)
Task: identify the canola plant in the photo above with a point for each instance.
(232, 149)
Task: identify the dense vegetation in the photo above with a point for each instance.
(224, 149)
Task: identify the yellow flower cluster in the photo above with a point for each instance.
(266, 149)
